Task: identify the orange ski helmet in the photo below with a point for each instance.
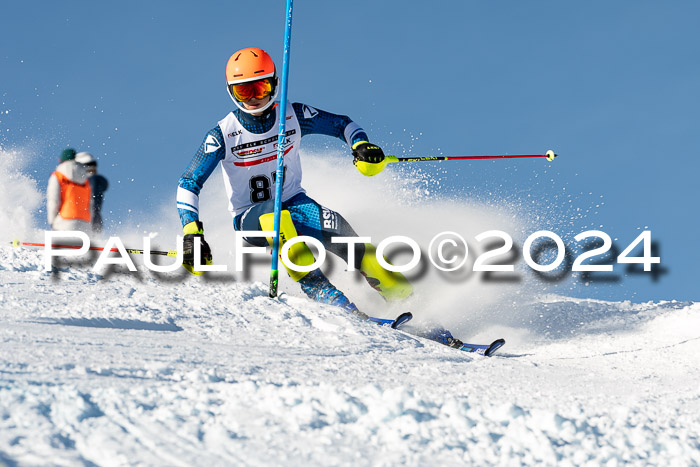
(249, 65)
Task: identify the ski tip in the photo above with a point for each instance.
(402, 318)
(495, 345)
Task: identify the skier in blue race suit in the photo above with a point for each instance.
(244, 142)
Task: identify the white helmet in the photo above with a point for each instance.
(85, 158)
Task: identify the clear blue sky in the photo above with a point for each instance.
(612, 86)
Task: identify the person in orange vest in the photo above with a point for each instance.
(68, 195)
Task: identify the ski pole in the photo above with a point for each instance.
(172, 253)
(281, 139)
(549, 155)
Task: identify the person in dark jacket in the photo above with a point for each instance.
(98, 186)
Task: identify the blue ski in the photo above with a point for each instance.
(483, 349)
(393, 323)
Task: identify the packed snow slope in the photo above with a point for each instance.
(111, 367)
(141, 369)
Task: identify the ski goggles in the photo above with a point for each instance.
(259, 89)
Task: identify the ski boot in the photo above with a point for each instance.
(317, 287)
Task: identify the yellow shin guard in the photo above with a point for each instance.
(392, 286)
(299, 253)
